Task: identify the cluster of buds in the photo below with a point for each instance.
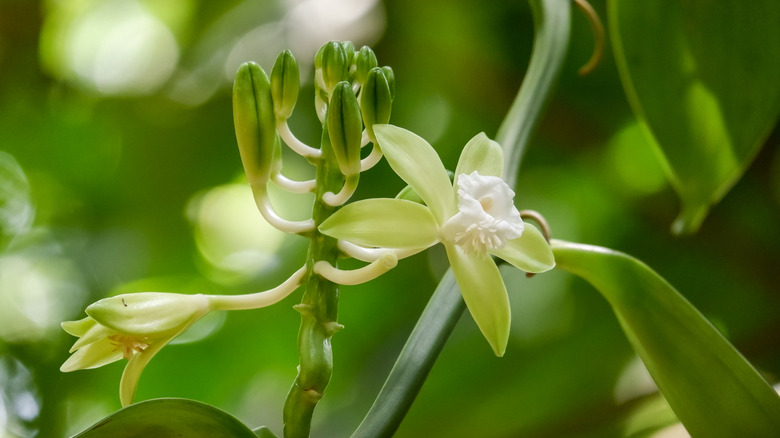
(352, 94)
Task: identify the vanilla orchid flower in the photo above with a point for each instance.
(131, 326)
(136, 326)
(474, 217)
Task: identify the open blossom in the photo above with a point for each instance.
(134, 327)
(474, 217)
(487, 217)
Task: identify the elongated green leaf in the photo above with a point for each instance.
(390, 223)
(168, 418)
(713, 390)
(703, 77)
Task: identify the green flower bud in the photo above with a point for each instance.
(335, 64)
(285, 84)
(153, 314)
(253, 117)
(390, 79)
(349, 48)
(376, 99)
(365, 61)
(345, 128)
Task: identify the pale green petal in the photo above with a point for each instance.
(389, 223)
(93, 334)
(417, 163)
(530, 252)
(484, 293)
(93, 355)
(154, 314)
(481, 154)
(135, 366)
(78, 328)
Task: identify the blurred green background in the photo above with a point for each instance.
(119, 173)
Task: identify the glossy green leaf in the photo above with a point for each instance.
(263, 432)
(169, 417)
(703, 77)
(712, 389)
(391, 223)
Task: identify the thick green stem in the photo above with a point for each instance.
(552, 19)
(318, 309)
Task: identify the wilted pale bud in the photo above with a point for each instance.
(335, 64)
(365, 61)
(253, 117)
(285, 84)
(376, 100)
(345, 128)
(390, 79)
(153, 314)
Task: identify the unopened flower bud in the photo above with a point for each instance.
(154, 314)
(253, 117)
(364, 62)
(390, 79)
(345, 128)
(285, 84)
(376, 99)
(335, 64)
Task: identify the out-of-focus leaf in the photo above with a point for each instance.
(264, 432)
(703, 77)
(712, 389)
(169, 417)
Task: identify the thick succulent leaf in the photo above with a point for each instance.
(389, 223)
(703, 77)
(530, 252)
(481, 154)
(712, 389)
(417, 163)
(485, 295)
(168, 418)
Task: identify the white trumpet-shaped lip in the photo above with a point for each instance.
(487, 217)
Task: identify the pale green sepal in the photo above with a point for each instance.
(78, 328)
(254, 121)
(530, 252)
(149, 313)
(345, 128)
(710, 386)
(94, 334)
(417, 163)
(485, 295)
(94, 355)
(285, 84)
(132, 373)
(409, 194)
(481, 154)
(389, 223)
